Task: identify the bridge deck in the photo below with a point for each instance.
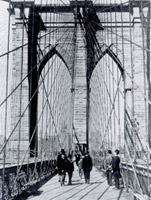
(97, 189)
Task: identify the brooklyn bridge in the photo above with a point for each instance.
(75, 75)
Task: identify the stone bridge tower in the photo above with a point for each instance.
(81, 66)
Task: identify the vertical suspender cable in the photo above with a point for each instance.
(30, 85)
(21, 77)
(49, 126)
(108, 81)
(125, 99)
(100, 92)
(144, 52)
(53, 73)
(106, 100)
(102, 128)
(56, 68)
(113, 120)
(118, 106)
(104, 95)
(132, 58)
(36, 154)
(45, 84)
(40, 154)
(108, 35)
(73, 70)
(148, 66)
(124, 77)
(6, 107)
(132, 73)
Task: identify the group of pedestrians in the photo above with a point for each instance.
(65, 164)
(112, 165)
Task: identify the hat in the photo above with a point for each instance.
(63, 151)
(109, 151)
(117, 151)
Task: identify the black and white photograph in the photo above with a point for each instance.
(75, 99)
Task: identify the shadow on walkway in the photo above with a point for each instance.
(33, 189)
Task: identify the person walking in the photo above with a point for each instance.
(80, 167)
(61, 165)
(116, 168)
(87, 167)
(108, 167)
(77, 157)
(69, 168)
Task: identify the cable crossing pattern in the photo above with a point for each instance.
(75, 74)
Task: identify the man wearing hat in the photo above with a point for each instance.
(87, 167)
(108, 167)
(116, 168)
(61, 164)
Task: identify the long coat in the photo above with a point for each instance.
(116, 167)
(61, 164)
(87, 164)
(116, 164)
(69, 166)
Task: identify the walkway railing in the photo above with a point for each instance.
(15, 183)
(129, 172)
(143, 177)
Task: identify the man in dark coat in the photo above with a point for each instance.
(108, 167)
(116, 168)
(87, 167)
(69, 168)
(61, 164)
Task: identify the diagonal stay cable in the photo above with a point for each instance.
(55, 29)
(111, 111)
(51, 115)
(33, 135)
(23, 112)
(145, 96)
(100, 103)
(112, 76)
(115, 6)
(21, 81)
(108, 121)
(15, 49)
(134, 43)
(91, 35)
(134, 84)
(108, 92)
(108, 50)
(63, 2)
(21, 117)
(51, 109)
(94, 39)
(48, 100)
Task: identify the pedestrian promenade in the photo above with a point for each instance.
(97, 189)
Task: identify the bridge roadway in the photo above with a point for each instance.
(97, 189)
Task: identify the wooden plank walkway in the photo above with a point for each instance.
(97, 189)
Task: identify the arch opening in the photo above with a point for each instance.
(54, 128)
